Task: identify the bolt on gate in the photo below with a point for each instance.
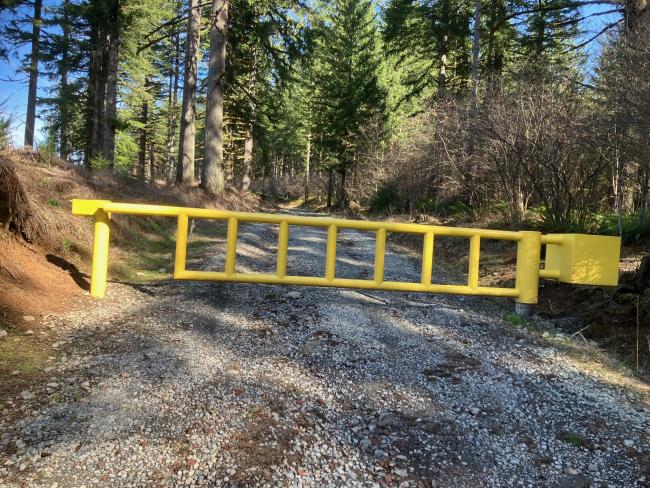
(570, 258)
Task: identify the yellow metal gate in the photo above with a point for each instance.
(571, 258)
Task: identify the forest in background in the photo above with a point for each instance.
(424, 106)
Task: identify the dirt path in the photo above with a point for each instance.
(208, 384)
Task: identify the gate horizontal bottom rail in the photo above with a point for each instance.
(570, 258)
(271, 279)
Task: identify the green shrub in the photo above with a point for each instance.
(428, 205)
(456, 210)
(515, 320)
(633, 230)
(386, 197)
(47, 152)
(126, 151)
(67, 246)
(99, 162)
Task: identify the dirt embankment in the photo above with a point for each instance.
(45, 250)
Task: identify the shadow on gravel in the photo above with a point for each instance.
(437, 371)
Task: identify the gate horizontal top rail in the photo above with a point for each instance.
(572, 258)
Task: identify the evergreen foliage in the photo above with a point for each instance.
(322, 87)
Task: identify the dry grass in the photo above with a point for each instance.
(35, 201)
(18, 213)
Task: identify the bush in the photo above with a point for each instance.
(99, 162)
(456, 210)
(633, 230)
(386, 198)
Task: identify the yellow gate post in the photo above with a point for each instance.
(529, 251)
(100, 255)
(101, 236)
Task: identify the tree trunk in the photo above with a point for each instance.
(520, 201)
(64, 107)
(541, 30)
(442, 74)
(443, 48)
(618, 190)
(248, 142)
(307, 164)
(213, 171)
(476, 45)
(30, 119)
(187, 140)
(644, 184)
(636, 15)
(142, 155)
(110, 118)
(330, 187)
(97, 75)
(103, 73)
(343, 195)
(152, 163)
(248, 160)
(172, 100)
(231, 159)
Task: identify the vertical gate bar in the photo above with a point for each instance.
(330, 261)
(474, 258)
(528, 259)
(283, 247)
(99, 273)
(231, 245)
(181, 245)
(380, 252)
(427, 258)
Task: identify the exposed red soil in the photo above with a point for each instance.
(36, 283)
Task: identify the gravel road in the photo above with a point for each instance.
(219, 384)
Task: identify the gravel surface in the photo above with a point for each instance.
(210, 384)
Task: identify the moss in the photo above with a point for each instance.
(20, 353)
(573, 439)
(515, 320)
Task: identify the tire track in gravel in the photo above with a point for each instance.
(217, 384)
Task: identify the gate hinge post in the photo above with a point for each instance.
(527, 276)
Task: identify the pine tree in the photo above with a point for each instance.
(431, 41)
(548, 38)
(265, 38)
(63, 58)
(30, 118)
(347, 61)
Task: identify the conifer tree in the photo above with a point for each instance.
(347, 62)
(431, 41)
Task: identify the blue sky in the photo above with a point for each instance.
(13, 86)
(14, 96)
